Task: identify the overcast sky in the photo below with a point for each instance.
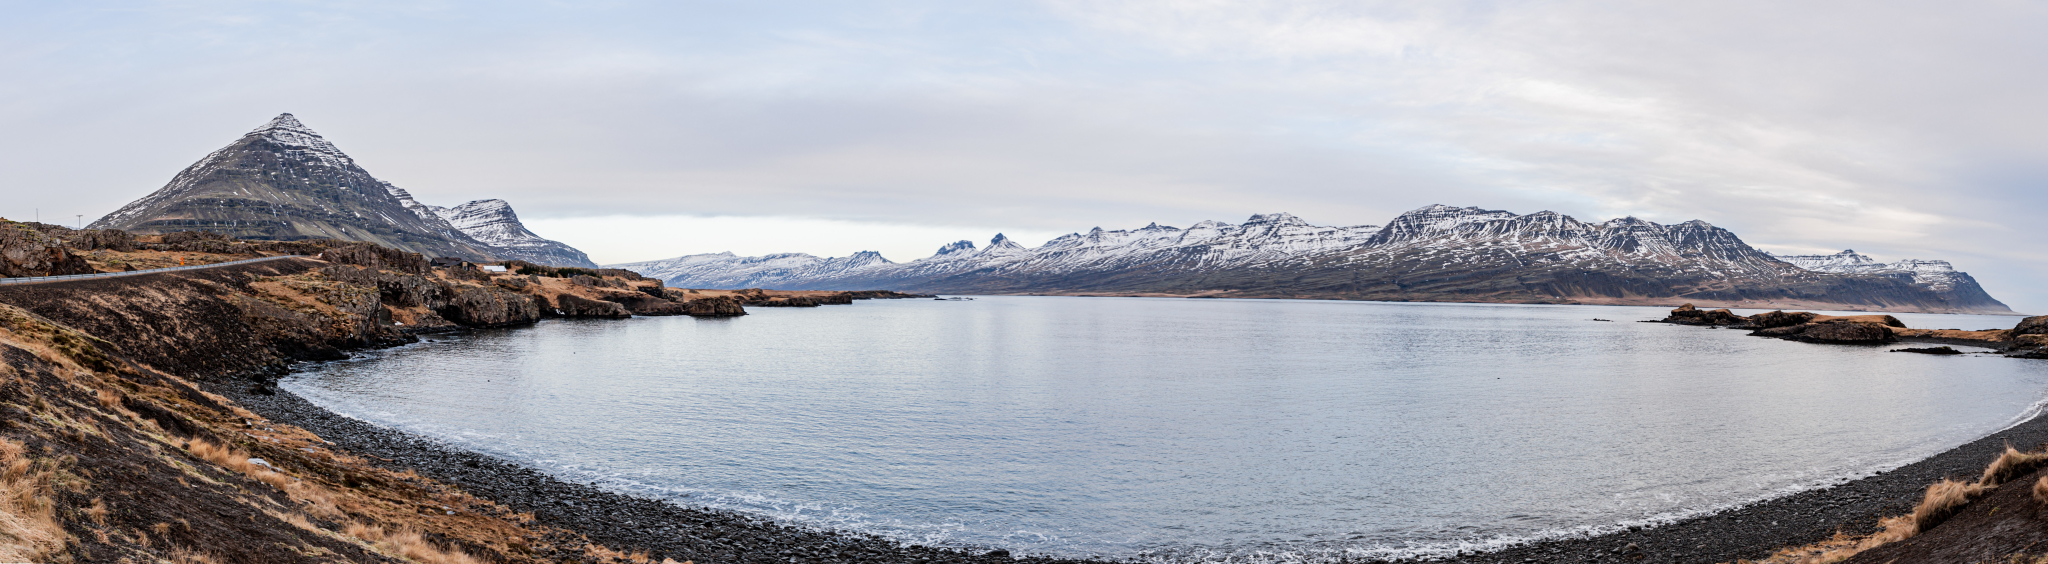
(639, 131)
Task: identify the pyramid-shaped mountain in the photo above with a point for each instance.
(285, 182)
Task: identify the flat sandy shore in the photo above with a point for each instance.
(716, 537)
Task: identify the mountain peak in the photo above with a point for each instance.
(955, 247)
(287, 131)
(1281, 218)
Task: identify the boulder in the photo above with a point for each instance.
(751, 296)
(396, 290)
(1845, 332)
(842, 298)
(484, 307)
(95, 239)
(2029, 346)
(569, 305)
(647, 305)
(1941, 350)
(722, 306)
(1689, 315)
(1780, 319)
(2036, 325)
(1785, 331)
(373, 256)
(24, 251)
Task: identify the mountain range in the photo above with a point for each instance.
(285, 182)
(1436, 253)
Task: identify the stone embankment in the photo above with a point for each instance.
(2028, 339)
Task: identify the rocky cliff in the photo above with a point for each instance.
(1936, 275)
(284, 182)
(1436, 253)
(120, 453)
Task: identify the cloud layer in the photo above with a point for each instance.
(1900, 130)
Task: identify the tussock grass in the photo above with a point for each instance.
(2012, 464)
(28, 518)
(1943, 500)
(2041, 490)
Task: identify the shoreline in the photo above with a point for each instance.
(619, 521)
(706, 536)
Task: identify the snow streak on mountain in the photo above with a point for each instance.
(1436, 253)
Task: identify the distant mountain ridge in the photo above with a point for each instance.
(283, 181)
(1435, 253)
(1937, 275)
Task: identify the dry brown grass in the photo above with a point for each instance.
(408, 544)
(188, 556)
(1843, 546)
(2012, 464)
(1941, 501)
(318, 500)
(28, 518)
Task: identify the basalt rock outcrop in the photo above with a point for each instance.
(26, 251)
(2036, 325)
(1796, 326)
(570, 305)
(720, 306)
(1689, 315)
(478, 306)
(1779, 318)
(376, 257)
(1840, 331)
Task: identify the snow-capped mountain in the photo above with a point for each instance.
(283, 181)
(1937, 275)
(494, 223)
(1436, 253)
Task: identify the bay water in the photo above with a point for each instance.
(1188, 430)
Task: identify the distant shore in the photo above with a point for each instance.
(1589, 301)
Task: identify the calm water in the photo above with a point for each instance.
(1188, 429)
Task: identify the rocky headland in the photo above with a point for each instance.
(142, 424)
(2027, 339)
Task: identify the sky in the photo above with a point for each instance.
(646, 130)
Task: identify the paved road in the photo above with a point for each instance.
(69, 277)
